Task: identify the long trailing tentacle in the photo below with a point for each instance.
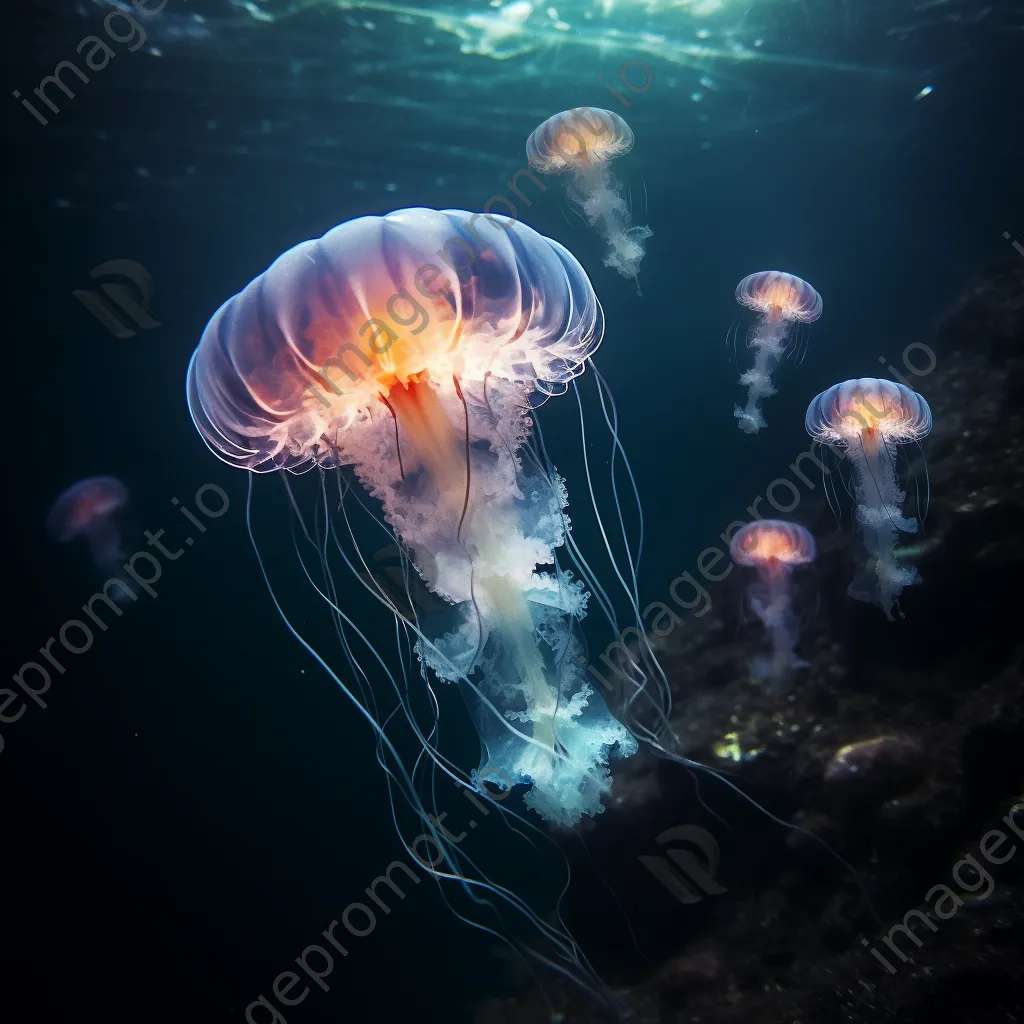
(482, 891)
(664, 704)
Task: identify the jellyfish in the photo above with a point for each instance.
(413, 348)
(774, 547)
(399, 360)
(867, 419)
(91, 509)
(583, 142)
(781, 300)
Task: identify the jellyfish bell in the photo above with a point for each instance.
(377, 309)
(868, 419)
(868, 412)
(582, 142)
(777, 296)
(573, 138)
(773, 543)
(782, 302)
(774, 548)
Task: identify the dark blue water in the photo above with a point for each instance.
(198, 801)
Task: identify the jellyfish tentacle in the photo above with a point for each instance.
(611, 419)
(634, 673)
(661, 703)
(568, 946)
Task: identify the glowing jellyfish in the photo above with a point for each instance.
(774, 548)
(583, 142)
(867, 419)
(781, 301)
(410, 347)
(414, 348)
(91, 509)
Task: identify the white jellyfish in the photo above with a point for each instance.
(868, 418)
(583, 142)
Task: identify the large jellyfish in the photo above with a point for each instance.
(867, 419)
(774, 547)
(91, 509)
(781, 300)
(583, 142)
(411, 347)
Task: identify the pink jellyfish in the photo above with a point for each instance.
(868, 419)
(91, 509)
(781, 301)
(773, 548)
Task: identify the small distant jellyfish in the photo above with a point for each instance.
(92, 509)
(781, 300)
(867, 419)
(583, 142)
(774, 548)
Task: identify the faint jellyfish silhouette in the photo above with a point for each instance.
(583, 142)
(774, 547)
(92, 508)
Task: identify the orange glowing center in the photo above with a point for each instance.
(868, 415)
(384, 351)
(765, 545)
(571, 144)
(864, 414)
(779, 296)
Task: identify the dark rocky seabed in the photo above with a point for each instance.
(940, 694)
